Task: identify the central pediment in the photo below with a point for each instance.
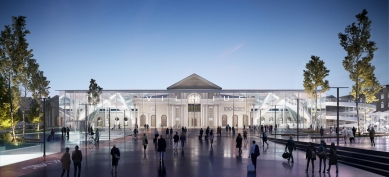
(194, 81)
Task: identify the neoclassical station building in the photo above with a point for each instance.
(192, 102)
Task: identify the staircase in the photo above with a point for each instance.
(369, 160)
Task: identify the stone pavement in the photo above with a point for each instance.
(197, 159)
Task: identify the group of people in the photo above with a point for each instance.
(311, 153)
(65, 130)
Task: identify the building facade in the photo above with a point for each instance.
(192, 102)
(383, 99)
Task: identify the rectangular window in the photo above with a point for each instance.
(382, 96)
(382, 104)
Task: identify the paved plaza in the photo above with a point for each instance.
(197, 159)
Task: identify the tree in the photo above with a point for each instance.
(35, 114)
(4, 104)
(94, 93)
(30, 68)
(13, 53)
(360, 52)
(313, 78)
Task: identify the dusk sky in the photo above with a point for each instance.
(153, 44)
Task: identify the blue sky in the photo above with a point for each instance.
(153, 44)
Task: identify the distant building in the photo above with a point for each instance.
(383, 99)
(52, 110)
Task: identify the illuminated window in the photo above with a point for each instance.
(382, 96)
(382, 104)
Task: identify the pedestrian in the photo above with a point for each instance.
(310, 155)
(52, 134)
(176, 138)
(322, 154)
(67, 132)
(115, 153)
(211, 137)
(63, 130)
(167, 133)
(239, 143)
(156, 134)
(201, 133)
(136, 133)
(183, 139)
(350, 135)
(65, 160)
(245, 136)
(321, 131)
(330, 130)
(77, 158)
(161, 147)
(371, 134)
(333, 158)
(354, 130)
(97, 139)
(344, 134)
(145, 141)
(206, 133)
(171, 132)
(264, 139)
(290, 145)
(253, 154)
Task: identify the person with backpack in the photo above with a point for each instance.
(145, 141)
(290, 145)
(310, 155)
(264, 139)
(253, 154)
(239, 140)
(322, 154)
(333, 158)
(371, 135)
(176, 138)
(115, 153)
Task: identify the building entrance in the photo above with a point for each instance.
(194, 111)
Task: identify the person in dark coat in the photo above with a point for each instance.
(290, 145)
(322, 154)
(333, 158)
(201, 133)
(67, 132)
(176, 138)
(321, 132)
(167, 133)
(206, 133)
(171, 132)
(239, 140)
(310, 155)
(264, 139)
(161, 147)
(354, 130)
(115, 153)
(65, 159)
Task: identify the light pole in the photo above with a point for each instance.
(337, 113)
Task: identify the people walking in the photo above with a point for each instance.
(206, 133)
(239, 143)
(65, 160)
(310, 155)
(371, 135)
(201, 133)
(321, 131)
(182, 139)
(97, 137)
(145, 141)
(322, 154)
(211, 137)
(333, 158)
(253, 154)
(77, 158)
(264, 139)
(67, 132)
(245, 136)
(161, 148)
(290, 145)
(344, 134)
(350, 136)
(52, 134)
(115, 153)
(354, 130)
(233, 131)
(156, 134)
(171, 132)
(167, 133)
(176, 138)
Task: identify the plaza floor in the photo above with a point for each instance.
(195, 160)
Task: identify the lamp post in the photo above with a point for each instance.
(337, 113)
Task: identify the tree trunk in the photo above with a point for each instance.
(38, 126)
